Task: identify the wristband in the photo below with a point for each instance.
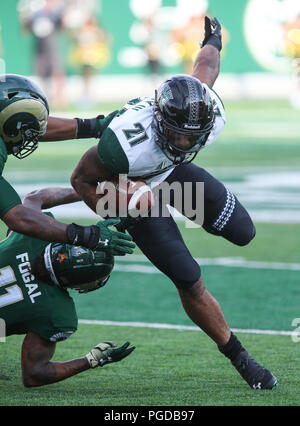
(215, 41)
(87, 127)
(86, 236)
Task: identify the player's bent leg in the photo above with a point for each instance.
(232, 221)
(161, 241)
(224, 215)
(205, 311)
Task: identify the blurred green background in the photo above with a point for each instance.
(118, 17)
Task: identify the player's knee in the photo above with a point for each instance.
(196, 290)
(183, 284)
(242, 232)
(245, 234)
(233, 222)
(184, 271)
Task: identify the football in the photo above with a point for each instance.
(122, 196)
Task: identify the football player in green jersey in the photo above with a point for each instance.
(156, 139)
(23, 121)
(34, 278)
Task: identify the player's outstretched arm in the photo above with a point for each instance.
(38, 370)
(207, 63)
(35, 224)
(28, 219)
(59, 129)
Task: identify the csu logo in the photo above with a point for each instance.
(268, 32)
(61, 257)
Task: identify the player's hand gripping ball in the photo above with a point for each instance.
(122, 197)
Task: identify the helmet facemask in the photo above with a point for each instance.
(29, 140)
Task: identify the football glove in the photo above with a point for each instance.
(88, 127)
(104, 353)
(212, 33)
(93, 127)
(114, 242)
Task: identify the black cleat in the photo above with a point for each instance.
(255, 374)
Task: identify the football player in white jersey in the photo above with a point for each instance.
(156, 139)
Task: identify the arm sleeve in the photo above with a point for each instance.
(8, 197)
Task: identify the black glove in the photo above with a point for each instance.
(212, 33)
(100, 237)
(88, 127)
(86, 236)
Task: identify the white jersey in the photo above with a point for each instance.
(128, 144)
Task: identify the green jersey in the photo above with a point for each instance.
(27, 304)
(8, 196)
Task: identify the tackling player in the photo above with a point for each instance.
(34, 278)
(23, 120)
(156, 139)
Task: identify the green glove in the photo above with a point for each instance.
(114, 242)
(104, 354)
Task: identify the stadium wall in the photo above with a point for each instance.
(254, 61)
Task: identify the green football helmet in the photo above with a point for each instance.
(24, 112)
(77, 268)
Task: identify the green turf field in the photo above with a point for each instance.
(258, 157)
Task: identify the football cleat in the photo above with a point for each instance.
(253, 373)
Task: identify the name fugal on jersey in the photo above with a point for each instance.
(27, 277)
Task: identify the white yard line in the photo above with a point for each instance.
(138, 266)
(133, 264)
(162, 326)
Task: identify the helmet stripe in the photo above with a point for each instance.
(194, 102)
(48, 264)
